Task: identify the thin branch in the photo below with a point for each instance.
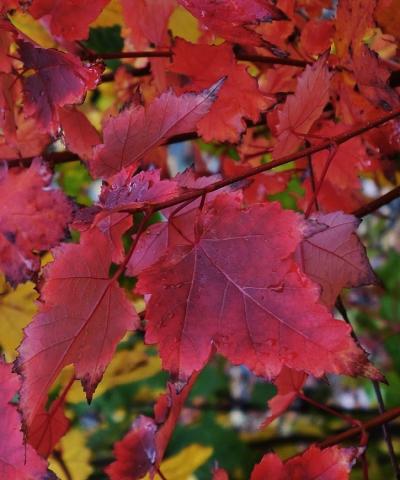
(337, 140)
(353, 432)
(169, 54)
(377, 388)
(378, 203)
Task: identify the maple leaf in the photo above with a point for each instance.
(202, 65)
(262, 314)
(147, 20)
(69, 19)
(341, 188)
(17, 461)
(288, 383)
(332, 463)
(136, 453)
(142, 449)
(233, 19)
(316, 36)
(136, 130)
(89, 314)
(332, 255)
(59, 79)
(79, 134)
(138, 191)
(354, 19)
(7, 35)
(302, 109)
(154, 242)
(47, 427)
(33, 217)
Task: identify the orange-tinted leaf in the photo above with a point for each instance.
(202, 65)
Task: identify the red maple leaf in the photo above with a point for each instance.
(202, 65)
(47, 427)
(302, 109)
(80, 136)
(234, 19)
(333, 256)
(136, 131)
(59, 79)
(80, 302)
(288, 384)
(33, 218)
(215, 290)
(142, 449)
(153, 244)
(138, 191)
(69, 19)
(332, 463)
(17, 461)
(147, 20)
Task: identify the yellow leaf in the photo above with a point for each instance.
(33, 29)
(75, 455)
(17, 308)
(127, 366)
(182, 465)
(183, 24)
(110, 16)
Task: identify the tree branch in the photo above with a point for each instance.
(169, 54)
(334, 141)
(378, 203)
(352, 432)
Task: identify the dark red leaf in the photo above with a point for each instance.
(58, 79)
(236, 286)
(333, 256)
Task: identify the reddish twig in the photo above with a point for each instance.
(378, 203)
(381, 405)
(369, 425)
(139, 232)
(317, 188)
(352, 421)
(169, 54)
(337, 140)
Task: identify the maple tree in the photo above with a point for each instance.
(242, 250)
